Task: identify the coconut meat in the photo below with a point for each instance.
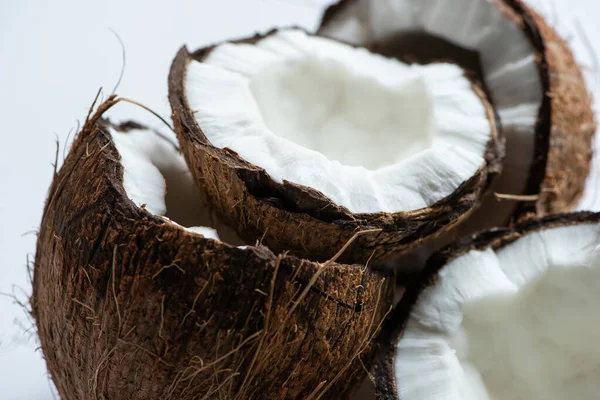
(371, 133)
(521, 322)
(156, 177)
(507, 57)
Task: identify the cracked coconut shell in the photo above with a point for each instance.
(129, 305)
(291, 217)
(565, 125)
(437, 274)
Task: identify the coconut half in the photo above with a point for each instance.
(528, 70)
(135, 297)
(511, 315)
(302, 142)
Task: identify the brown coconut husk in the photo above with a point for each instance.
(131, 306)
(566, 123)
(571, 128)
(299, 219)
(385, 379)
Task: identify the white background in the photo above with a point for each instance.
(55, 55)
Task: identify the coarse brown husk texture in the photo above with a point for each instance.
(299, 219)
(385, 377)
(566, 123)
(130, 306)
(572, 125)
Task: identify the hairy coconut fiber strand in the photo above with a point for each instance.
(530, 74)
(509, 315)
(129, 305)
(302, 142)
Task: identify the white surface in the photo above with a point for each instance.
(53, 58)
(358, 127)
(518, 323)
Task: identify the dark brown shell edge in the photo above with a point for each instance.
(129, 306)
(385, 380)
(299, 219)
(566, 122)
(568, 125)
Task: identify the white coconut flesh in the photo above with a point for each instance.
(507, 56)
(156, 177)
(371, 133)
(521, 322)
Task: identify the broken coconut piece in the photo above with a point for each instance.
(511, 315)
(301, 142)
(529, 71)
(131, 304)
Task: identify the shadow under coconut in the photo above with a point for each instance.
(424, 48)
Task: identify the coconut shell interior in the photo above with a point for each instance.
(130, 305)
(299, 219)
